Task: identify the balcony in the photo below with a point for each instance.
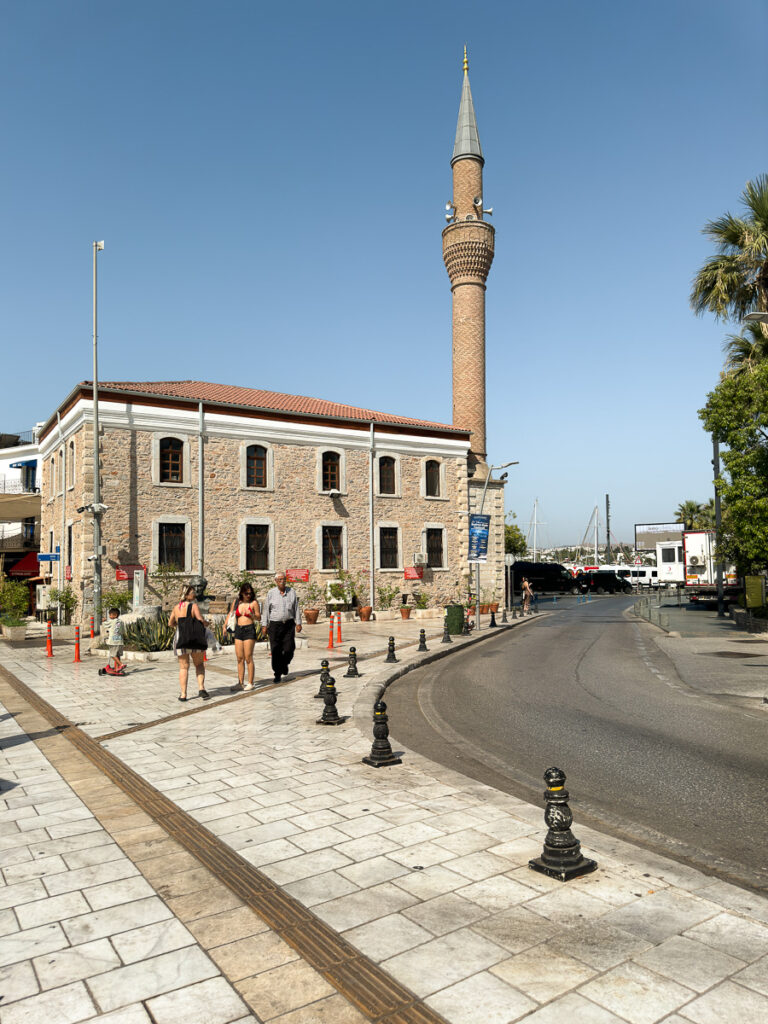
(14, 440)
(21, 540)
(16, 485)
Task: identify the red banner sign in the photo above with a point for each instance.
(297, 575)
(414, 572)
(67, 572)
(125, 572)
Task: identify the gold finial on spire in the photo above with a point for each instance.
(466, 62)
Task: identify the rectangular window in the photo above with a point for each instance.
(432, 473)
(435, 548)
(333, 554)
(667, 554)
(388, 553)
(171, 545)
(69, 546)
(257, 546)
(50, 542)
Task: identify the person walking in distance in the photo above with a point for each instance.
(527, 595)
(190, 641)
(248, 613)
(282, 619)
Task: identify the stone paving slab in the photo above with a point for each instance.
(422, 869)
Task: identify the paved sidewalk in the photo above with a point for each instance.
(416, 874)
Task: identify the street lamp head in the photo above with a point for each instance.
(756, 318)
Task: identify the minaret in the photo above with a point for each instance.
(468, 254)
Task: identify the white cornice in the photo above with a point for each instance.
(134, 416)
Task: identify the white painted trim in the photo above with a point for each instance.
(244, 446)
(187, 567)
(261, 429)
(388, 524)
(398, 492)
(253, 521)
(185, 459)
(319, 544)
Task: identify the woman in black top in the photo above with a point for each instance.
(188, 606)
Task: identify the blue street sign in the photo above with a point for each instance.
(478, 538)
(48, 558)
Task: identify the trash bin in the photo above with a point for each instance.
(455, 615)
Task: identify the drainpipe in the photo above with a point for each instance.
(63, 511)
(200, 495)
(371, 547)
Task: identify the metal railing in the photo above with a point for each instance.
(22, 540)
(15, 485)
(13, 440)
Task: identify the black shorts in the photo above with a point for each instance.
(245, 632)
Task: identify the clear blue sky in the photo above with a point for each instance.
(270, 182)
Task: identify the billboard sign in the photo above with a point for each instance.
(648, 535)
(478, 538)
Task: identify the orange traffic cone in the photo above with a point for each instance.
(77, 645)
(92, 632)
(330, 631)
(338, 627)
(48, 641)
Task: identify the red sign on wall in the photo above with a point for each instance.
(297, 575)
(125, 572)
(67, 572)
(414, 572)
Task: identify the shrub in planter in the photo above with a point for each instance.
(421, 599)
(387, 593)
(66, 599)
(149, 634)
(115, 599)
(14, 599)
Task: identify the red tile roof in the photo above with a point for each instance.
(266, 401)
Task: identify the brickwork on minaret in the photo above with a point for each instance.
(468, 253)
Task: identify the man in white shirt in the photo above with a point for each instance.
(281, 616)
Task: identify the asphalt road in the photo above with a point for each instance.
(647, 757)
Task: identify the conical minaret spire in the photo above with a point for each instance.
(468, 243)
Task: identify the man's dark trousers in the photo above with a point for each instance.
(282, 644)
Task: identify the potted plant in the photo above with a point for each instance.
(66, 599)
(386, 595)
(314, 593)
(14, 601)
(421, 599)
(405, 610)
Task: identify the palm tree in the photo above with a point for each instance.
(688, 513)
(744, 351)
(705, 520)
(735, 280)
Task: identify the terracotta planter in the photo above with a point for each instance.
(405, 611)
(310, 615)
(365, 612)
(494, 606)
(484, 609)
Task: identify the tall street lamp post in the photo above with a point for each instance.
(97, 507)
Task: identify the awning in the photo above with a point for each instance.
(27, 566)
(22, 465)
(15, 507)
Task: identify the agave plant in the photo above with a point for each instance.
(149, 634)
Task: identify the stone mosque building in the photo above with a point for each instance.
(214, 479)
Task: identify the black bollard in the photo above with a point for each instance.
(535, 604)
(493, 624)
(330, 714)
(381, 750)
(465, 625)
(352, 672)
(390, 658)
(504, 619)
(422, 641)
(514, 612)
(446, 635)
(324, 676)
(561, 857)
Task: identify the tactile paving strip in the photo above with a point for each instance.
(373, 991)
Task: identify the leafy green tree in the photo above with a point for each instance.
(734, 281)
(514, 539)
(736, 414)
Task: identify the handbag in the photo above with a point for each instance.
(191, 632)
(231, 620)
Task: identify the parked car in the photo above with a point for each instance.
(603, 582)
(544, 577)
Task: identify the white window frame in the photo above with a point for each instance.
(442, 496)
(319, 542)
(244, 469)
(436, 526)
(398, 492)
(242, 531)
(186, 470)
(342, 470)
(388, 525)
(187, 567)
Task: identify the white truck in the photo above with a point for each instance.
(700, 568)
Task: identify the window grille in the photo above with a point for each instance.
(388, 553)
(386, 475)
(256, 546)
(435, 548)
(433, 478)
(171, 545)
(333, 553)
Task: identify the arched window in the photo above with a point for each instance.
(432, 471)
(61, 479)
(331, 473)
(53, 476)
(171, 460)
(386, 475)
(255, 467)
(71, 464)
